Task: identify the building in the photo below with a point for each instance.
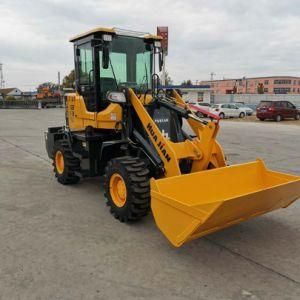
(12, 92)
(193, 93)
(256, 85)
(29, 94)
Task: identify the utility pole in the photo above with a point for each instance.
(2, 82)
(58, 77)
(212, 74)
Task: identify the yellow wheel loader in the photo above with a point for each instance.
(121, 125)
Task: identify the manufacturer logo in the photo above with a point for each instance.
(161, 120)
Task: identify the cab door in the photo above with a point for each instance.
(85, 84)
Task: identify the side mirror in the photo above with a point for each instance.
(116, 97)
(161, 61)
(105, 57)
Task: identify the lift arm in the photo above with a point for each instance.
(202, 150)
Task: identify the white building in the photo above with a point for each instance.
(193, 93)
(13, 92)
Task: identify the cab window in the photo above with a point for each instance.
(85, 64)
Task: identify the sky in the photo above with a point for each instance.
(231, 38)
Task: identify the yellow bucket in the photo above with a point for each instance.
(189, 206)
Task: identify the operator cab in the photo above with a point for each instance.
(107, 59)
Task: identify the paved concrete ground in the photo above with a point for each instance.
(60, 242)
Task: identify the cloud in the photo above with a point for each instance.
(230, 38)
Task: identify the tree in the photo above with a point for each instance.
(187, 82)
(169, 80)
(47, 86)
(68, 81)
(260, 88)
(234, 90)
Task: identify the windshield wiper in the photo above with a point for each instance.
(147, 82)
(113, 71)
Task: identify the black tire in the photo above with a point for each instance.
(242, 115)
(261, 119)
(278, 118)
(71, 163)
(135, 175)
(297, 117)
(222, 115)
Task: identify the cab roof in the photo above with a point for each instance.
(117, 31)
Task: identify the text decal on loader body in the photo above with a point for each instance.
(159, 144)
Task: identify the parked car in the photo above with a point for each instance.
(228, 110)
(249, 111)
(277, 110)
(201, 105)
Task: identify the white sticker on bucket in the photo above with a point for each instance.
(113, 116)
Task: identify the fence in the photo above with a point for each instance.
(31, 103)
(254, 99)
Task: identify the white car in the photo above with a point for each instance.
(228, 110)
(249, 111)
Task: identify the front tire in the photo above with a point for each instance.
(242, 115)
(127, 188)
(297, 117)
(278, 118)
(222, 115)
(64, 163)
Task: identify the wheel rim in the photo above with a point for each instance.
(118, 191)
(59, 162)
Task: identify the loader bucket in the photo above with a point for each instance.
(190, 206)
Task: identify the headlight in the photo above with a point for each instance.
(107, 37)
(116, 97)
(157, 44)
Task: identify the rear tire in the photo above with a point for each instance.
(278, 118)
(132, 175)
(64, 163)
(222, 115)
(261, 119)
(242, 115)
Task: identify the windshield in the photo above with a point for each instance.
(130, 64)
(265, 104)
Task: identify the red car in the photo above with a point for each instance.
(277, 110)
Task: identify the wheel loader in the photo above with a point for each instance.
(121, 125)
